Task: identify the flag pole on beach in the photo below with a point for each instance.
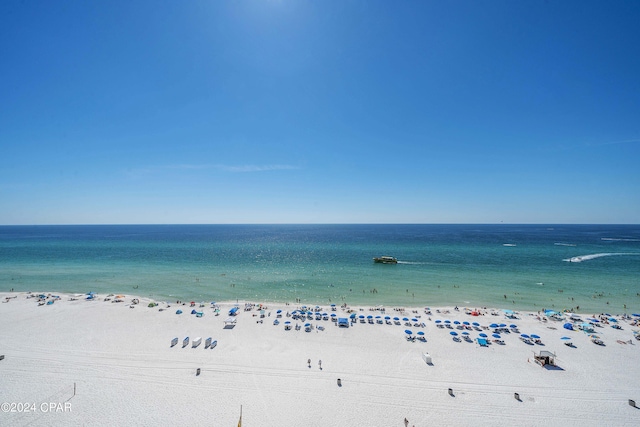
(240, 420)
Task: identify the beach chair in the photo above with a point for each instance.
(482, 342)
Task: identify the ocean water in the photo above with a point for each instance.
(524, 267)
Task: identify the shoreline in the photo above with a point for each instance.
(126, 372)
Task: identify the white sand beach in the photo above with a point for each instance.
(119, 358)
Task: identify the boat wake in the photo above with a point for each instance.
(411, 262)
(611, 239)
(564, 244)
(594, 256)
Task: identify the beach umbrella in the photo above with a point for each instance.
(591, 319)
(503, 325)
(279, 311)
(353, 316)
(405, 319)
(361, 316)
(636, 314)
(493, 325)
(287, 322)
(535, 337)
(408, 332)
(466, 323)
(524, 335)
(568, 326)
(333, 315)
(369, 317)
(420, 333)
(307, 324)
(438, 321)
(611, 319)
(396, 318)
(457, 322)
(378, 317)
(414, 320)
(496, 336)
(387, 317)
(476, 324)
(465, 333)
(483, 335)
(513, 326)
(447, 321)
(565, 338)
(454, 333)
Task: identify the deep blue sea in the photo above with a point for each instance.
(505, 266)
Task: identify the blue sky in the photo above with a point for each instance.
(319, 112)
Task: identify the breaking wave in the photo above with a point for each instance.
(594, 256)
(564, 244)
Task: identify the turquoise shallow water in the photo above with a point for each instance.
(510, 266)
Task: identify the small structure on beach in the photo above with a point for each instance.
(545, 358)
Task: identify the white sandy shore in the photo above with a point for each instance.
(126, 373)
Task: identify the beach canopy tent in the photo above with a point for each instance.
(545, 358)
(230, 322)
(568, 326)
(343, 322)
(233, 311)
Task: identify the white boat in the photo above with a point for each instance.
(207, 343)
(185, 342)
(174, 342)
(214, 343)
(385, 260)
(196, 342)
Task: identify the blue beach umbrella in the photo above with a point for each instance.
(465, 333)
(457, 322)
(568, 326)
(387, 317)
(420, 333)
(396, 318)
(307, 324)
(353, 316)
(405, 319)
(378, 317)
(333, 315)
(535, 337)
(408, 332)
(279, 311)
(493, 325)
(438, 321)
(496, 336)
(524, 335)
(447, 321)
(513, 326)
(476, 324)
(565, 338)
(370, 317)
(414, 320)
(503, 325)
(466, 323)
(483, 335)
(454, 333)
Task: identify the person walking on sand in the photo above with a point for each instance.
(309, 362)
(320, 364)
